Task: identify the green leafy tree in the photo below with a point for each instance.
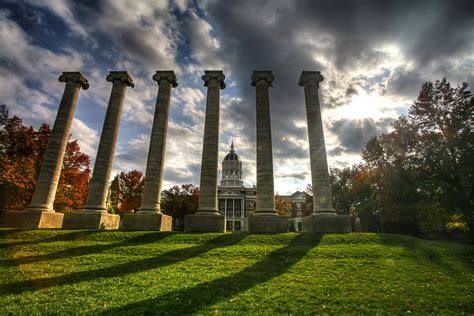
(179, 201)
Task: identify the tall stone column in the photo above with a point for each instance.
(208, 218)
(156, 154)
(40, 213)
(149, 217)
(324, 218)
(265, 219)
(94, 215)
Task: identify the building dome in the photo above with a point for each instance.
(232, 155)
(232, 170)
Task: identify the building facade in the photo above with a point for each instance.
(236, 201)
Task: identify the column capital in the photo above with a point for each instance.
(74, 77)
(262, 76)
(214, 78)
(166, 75)
(310, 78)
(120, 78)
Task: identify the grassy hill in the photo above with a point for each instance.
(52, 271)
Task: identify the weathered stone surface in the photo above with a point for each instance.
(262, 80)
(326, 223)
(146, 221)
(214, 81)
(156, 153)
(99, 183)
(268, 224)
(203, 223)
(207, 218)
(32, 219)
(90, 220)
(322, 197)
(45, 190)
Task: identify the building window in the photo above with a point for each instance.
(229, 226)
(237, 226)
(238, 208)
(230, 208)
(221, 206)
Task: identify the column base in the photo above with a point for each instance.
(32, 219)
(147, 221)
(269, 224)
(326, 223)
(204, 223)
(91, 220)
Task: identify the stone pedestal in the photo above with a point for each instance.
(32, 219)
(147, 221)
(326, 223)
(268, 224)
(204, 223)
(90, 220)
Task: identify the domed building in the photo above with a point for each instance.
(237, 201)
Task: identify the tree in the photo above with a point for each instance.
(126, 191)
(21, 154)
(179, 201)
(282, 205)
(74, 179)
(423, 169)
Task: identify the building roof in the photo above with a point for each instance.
(232, 155)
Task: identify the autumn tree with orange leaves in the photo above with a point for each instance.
(21, 154)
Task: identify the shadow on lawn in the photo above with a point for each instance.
(162, 260)
(193, 300)
(76, 235)
(419, 248)
(86, 250)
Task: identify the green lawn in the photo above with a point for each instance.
(70, 272)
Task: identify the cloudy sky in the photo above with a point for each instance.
(374, 56)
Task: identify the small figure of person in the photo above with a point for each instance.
(357, 225)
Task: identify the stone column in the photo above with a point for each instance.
(208, 218)
(324, 217)
(262, 80)
(99, 183)
(40, 213)
(265, 219)
(149, 217)
(214, 81)
(156, 154)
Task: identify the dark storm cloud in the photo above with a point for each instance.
(288, 36)
(353, 134)
(404, 82)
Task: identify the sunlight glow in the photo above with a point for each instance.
(366, 106)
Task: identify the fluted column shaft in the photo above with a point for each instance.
(98, 185)
(214, 81)
(156, 154)
(322, 197)
(45, 190)
(262, 80)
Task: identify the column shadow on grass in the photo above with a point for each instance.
(193, 300)
(86, 250)
(76, 235)
(136, 266)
